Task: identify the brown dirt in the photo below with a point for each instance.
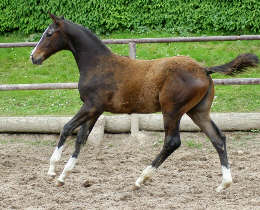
(187, 180)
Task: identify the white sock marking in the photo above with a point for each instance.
(147, 173)
(67, 169)
(226, 174)
(54, 158)
(226, 179)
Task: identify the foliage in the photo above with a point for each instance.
(236, 16)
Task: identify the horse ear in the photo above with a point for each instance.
(54, 18)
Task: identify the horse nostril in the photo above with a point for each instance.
(36, 60)
(31, 57)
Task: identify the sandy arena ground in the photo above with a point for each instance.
(187, 180)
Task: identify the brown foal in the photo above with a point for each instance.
(117, 84)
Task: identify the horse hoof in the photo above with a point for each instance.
(52, 174)
(136, 187)
(223, 186)
(219, 189)
(59, 183)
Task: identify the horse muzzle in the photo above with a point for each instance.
(35, 60)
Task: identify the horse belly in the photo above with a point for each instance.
(148, 101)
(138, 102)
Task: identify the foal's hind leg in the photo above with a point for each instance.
(200, 116)
(171, 143)
(219, 142)
(179, 94)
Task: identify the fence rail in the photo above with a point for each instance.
(54, 86)
(153, 40)
(132, 54)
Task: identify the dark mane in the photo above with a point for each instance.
(89, 34)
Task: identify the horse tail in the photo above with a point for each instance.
(236, 66)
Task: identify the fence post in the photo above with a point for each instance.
(134, 117)
(132, 50)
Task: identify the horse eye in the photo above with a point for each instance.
(49, 33)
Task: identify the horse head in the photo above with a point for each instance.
(53, 40)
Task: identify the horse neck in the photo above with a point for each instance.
(86, 47)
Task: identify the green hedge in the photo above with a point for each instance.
(103, 16)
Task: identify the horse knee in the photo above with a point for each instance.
(82, 136)
(172, 143)
(66, 131)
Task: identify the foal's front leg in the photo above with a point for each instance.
(67, 130)
(81, 140)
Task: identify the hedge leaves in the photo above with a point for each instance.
(104, 16)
